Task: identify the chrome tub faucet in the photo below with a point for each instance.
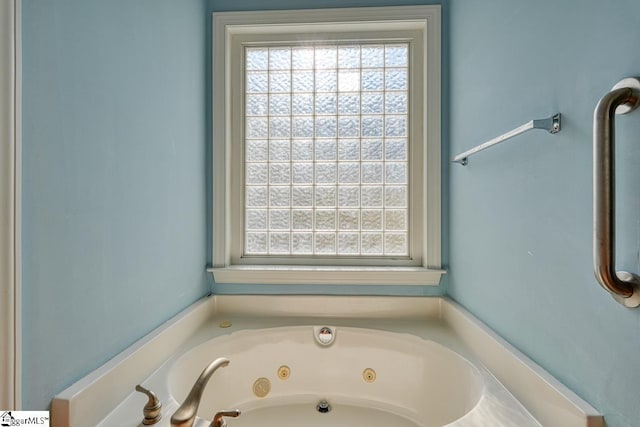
(186, 414)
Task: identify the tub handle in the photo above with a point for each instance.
(219, 421)
(623, 98)
(151, 410)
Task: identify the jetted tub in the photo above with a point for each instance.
(367, 377)
(393, 362)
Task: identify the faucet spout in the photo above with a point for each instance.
(185, 415)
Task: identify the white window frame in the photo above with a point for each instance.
(230, 31)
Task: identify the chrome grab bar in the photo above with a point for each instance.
(623, 98)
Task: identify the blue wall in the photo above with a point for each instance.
(520, 213)
(116, 143)
(114, 227)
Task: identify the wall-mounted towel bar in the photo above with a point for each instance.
(552, 124)
(622, 99)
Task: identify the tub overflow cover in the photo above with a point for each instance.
(325, 336)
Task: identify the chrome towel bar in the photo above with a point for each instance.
(623, 98)
(552, 124)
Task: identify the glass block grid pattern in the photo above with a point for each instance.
(325, 150)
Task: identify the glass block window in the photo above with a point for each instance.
(325, 150)
(326, 162)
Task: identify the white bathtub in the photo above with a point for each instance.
(418, 383)
(434, 365)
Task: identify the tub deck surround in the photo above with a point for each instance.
(107, 398)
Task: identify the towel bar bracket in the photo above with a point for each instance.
(633, 281)
(552, 124)
(633, 101)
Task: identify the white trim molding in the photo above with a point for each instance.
(326, 275)
(10, 172)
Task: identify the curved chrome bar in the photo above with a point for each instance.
(623, 98)
(185, 415)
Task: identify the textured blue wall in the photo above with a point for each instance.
(520, 213)
(115, 130)
(403, 290)
(114, 226)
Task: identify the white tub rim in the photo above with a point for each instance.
(94, 397)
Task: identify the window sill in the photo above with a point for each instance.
(326, 275)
